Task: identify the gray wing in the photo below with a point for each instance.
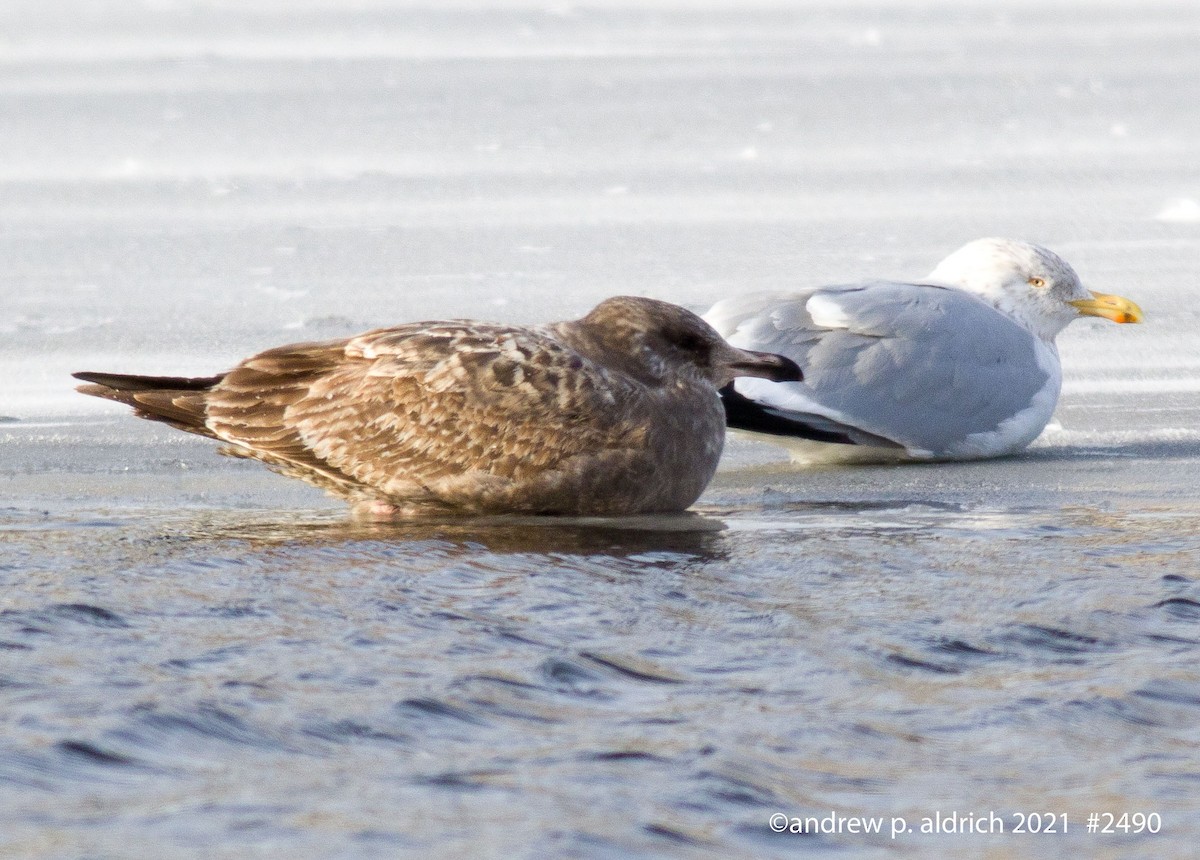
(915, 365)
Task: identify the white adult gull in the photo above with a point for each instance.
(616, 413)
(961, 365)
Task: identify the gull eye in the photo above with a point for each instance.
(689, 342)
(1037, 282)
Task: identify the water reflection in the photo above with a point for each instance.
(692, 534)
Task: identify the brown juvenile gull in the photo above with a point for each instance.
(613, 414)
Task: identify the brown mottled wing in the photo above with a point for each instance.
(251, 405)
(408, 412)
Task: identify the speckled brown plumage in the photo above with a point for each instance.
(616, 413)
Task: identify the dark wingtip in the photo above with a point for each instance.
(742, 413)
(133, 382)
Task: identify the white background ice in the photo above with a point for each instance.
(183, 183)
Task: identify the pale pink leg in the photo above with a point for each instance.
(375, 509)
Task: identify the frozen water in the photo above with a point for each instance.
(1182, 209)
(201, 659)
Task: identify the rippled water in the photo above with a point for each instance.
(226, 680)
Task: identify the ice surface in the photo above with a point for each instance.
(186, 183)
(198, 658)
(1182, 209)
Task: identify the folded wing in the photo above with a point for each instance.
(916, 366)
(438, 412)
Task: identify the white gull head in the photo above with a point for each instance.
(1029, 283)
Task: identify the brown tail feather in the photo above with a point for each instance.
(178, 401)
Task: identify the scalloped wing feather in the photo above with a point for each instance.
(446, 414)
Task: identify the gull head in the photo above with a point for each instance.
(656, 341)
(1029, 283)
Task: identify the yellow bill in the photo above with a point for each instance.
(1116, 308)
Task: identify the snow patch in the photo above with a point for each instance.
(1181, 210)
